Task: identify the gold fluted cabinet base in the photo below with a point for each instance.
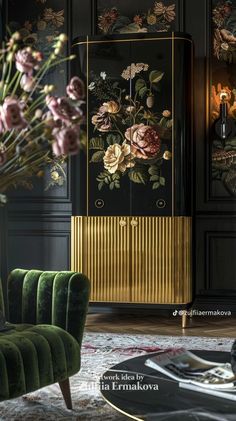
(134, 259)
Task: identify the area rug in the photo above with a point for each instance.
(100, 352)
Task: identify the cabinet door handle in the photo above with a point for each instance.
(123, 223)
(134, 223)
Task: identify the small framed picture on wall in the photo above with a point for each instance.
(123, 17)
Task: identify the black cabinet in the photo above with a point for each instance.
(137, 156)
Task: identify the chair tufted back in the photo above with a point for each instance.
(55, 298)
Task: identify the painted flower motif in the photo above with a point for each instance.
(102, 120)
(12, 115)
(151, 19)
(103, 75)
(75, 90)
(168, 12)
(131, 71)
(225, 46)
(41, 25)
(27, 61)
(50, 38)
(167, 155)
(118, 158)
(144, 140)
(107, 19)
(216, 99)
(56, 18)
(91, 86)
(130, 109)
(166, 113)
(138, 20)
(61, 109)
(221, 12)
(66, 141)
(111, 107)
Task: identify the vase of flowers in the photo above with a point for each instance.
(37, 128)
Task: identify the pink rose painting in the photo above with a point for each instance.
(132, 137)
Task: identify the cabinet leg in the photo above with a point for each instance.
(184, 320)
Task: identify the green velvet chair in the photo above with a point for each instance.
(47, 311)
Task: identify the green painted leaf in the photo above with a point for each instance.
(217, 144)
(132, 27)
(96, 143)
(112, 185)
(156, 185)
(143, 92)
(116, 176)
(162, 181)
(229, 148)
(100, 185)
(154, 178)
(231, 142)
(120, 23)
(138, 176)
(140, 83)
(113, 138)
(153, 170)
(97, 156)
(156, 76)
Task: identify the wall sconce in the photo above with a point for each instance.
(225, 126)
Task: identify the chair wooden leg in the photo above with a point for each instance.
(65, 390)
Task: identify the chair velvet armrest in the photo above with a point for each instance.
(56, 298)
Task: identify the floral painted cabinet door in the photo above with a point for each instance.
(138, 132)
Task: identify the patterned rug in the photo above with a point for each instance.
(100, 352)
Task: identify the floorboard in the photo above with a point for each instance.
(161, 325)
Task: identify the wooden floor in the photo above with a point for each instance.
(161, 325)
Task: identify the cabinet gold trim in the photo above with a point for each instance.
(149, 263)
(108, 41)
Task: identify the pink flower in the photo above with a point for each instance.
(75, 90)
(61, 109)
(26, 61)
(27, 82)
(12, 115)
(66, 141)
(144, 140)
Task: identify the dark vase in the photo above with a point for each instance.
(233, 357)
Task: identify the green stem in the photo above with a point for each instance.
(17, 84)
(36, 103)
(7, 79)
(12, 82)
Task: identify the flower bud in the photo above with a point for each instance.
(55, 175)
(63, 38)
(38, 113)
(57, 51)
(10, 56)
(166, 113)
(167, 155)
(16, 36)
